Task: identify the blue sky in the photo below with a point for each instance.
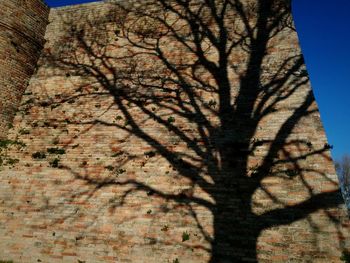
(55, 3)
(324, 32)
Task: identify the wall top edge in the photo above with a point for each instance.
(82, 5)
(99, 2)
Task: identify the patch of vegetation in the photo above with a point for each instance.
(39, 155)
(345, 257)
(29, 101)
(56, 151)
(185, 236)
(55, 163)
(11, 161)
(150, 154)
(109, 167)
(23, 131)
(44, 103)
(116, 154)
(8, 161)
(171, 119)
(165, 228)
(7, 143)
(292, 173)
(150, 193)
(53, 106)
(5, 159)
(120, 171)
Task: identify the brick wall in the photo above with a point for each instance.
(22, 29)
(134, 152)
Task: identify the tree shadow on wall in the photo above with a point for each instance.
(217, 90)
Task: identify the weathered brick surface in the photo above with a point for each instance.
(22, 29)
(121, 191)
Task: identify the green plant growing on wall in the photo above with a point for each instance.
(12, 161)
(165, 228)
(292, 173)
(150, 154)
(5, 145)
(55, 163)
(116, 154)
(39, 155)
(345, 257)
(24, 131)
(171, 119)
(56, 151)
(109, 167)
(185, 236)
(120, 171)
